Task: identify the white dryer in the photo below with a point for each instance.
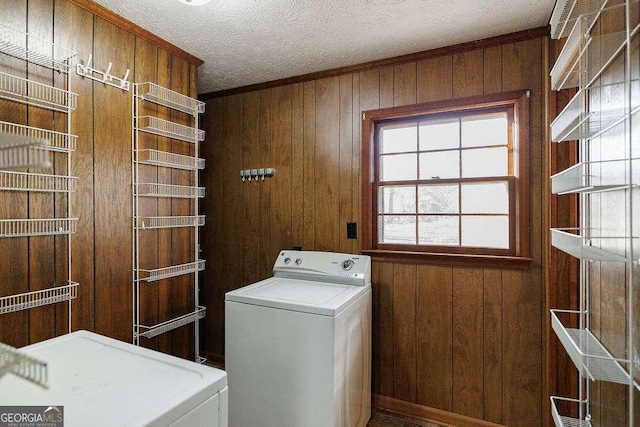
(298, 345)
(102, 382)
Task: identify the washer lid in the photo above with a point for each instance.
(326, 299)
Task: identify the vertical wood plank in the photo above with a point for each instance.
(232, 193)
(345, 182)
(327, 163)
(112, 172)
(492, 348)
(385, 328)
(522, 344)
(435, 79)
(309, 211)
(468, 345)
(266, 136)
(404, 332)
(251, 191)
(434, 337)
(492, 70)
(281, 194)
(404, 84)
(375, 324)
(356, 159)
(386, 87)
(468, 73)
(297, 165)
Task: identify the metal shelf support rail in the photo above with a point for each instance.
(605, 111)
(148, 92)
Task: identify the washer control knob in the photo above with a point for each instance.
(298, 261)
(347, 264)
(287, 260)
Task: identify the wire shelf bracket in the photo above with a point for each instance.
(161, 328)
(172, 271)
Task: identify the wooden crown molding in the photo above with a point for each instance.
(129, 26)
(533, 33)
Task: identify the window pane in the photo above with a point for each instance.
(398, 167)
(485, 198)
(485, 231)
(485, 162)
(438, 199)
(398, 139)
(397, 229)
(440, 165)
(397, 199)
(438, 135)
(438, 230)
(488, 129)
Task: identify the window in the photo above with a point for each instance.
(448, 181)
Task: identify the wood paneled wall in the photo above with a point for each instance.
(463, 340)
(101, 250)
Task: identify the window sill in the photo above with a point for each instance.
(463, 260)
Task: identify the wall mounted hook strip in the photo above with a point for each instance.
(103, 76)
(256, 174)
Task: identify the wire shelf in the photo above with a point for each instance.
(23, 152)
(601, 52)
(585, 177)
(33, 299)
(566, 12)
(567, 240)
(587, 353)
(58, 141)
(566, 70)
(577, 122)
(564, 421)
(161, 328)
(37, 94)
(37, 227)
(22, 181)
(27, 367)
(173, 271)
(170, 160)
(163, 96)
(35, 50)
(169, 129)
(153, 222)
(168, 190)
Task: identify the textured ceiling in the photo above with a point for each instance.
(243, 42)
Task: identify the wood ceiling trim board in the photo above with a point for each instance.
(532, 33)
(127, 25)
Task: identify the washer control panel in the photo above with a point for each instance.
(324, 266)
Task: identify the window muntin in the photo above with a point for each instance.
(446, 181)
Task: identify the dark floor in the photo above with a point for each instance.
(385, 419)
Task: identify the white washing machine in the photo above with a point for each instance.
(298, 345)
(104, 382)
